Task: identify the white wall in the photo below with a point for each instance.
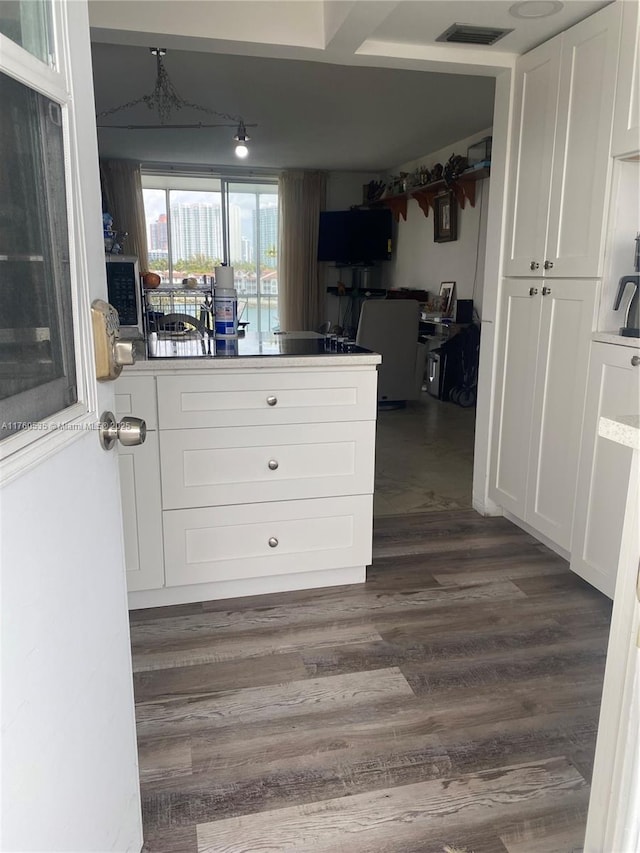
(624, 223)
(419, 262)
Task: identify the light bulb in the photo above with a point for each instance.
(241, 150)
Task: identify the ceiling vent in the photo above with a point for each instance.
(468, 34)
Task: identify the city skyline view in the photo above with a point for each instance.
(185, 238)
(196, 226)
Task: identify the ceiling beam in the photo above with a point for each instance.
(349, 25)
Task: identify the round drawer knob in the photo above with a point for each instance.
(272, 401)
(635, 360)
(273, 464)
(273, 542)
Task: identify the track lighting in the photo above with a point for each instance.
(164, 99)
(241, 141)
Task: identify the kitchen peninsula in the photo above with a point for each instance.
(257, 472)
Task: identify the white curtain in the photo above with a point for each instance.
(301, 298)
(122, 193)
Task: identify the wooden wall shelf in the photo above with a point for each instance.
(463, 187)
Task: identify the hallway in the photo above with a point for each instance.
(424, 457)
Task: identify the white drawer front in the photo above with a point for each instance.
(228, 543)
(136, 395)
(212, 467)
(278, 397)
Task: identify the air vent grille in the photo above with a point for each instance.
(469, 34)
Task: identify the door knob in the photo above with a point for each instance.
(533, 291)
(130, 432)
(534, 265)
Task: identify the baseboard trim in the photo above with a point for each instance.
(242, 588)
(561, 552)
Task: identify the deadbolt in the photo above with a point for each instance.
(130, 432)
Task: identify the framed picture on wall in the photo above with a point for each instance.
(445, 226)
(447, 294)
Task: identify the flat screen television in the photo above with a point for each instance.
(355, 236)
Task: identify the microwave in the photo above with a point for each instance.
(125, 294)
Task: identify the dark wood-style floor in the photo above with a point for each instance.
(451, 701)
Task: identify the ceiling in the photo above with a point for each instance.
(334, 85)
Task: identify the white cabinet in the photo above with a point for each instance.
(542, 375)
(142, 514)
(613, 389)
(140, 486)
(214, 467)
(560, 153)
(626, 117)
(263, 482)
(231, 544)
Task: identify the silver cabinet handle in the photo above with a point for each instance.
(130, 432)
(546, 291)
(273, 542)
(273, 464)
(534, 265)
(272, 401)
(533, 291)
(635, 360)
(548, 265)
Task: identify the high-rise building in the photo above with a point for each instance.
(268, 235)
(158, 241)
(196, 229)
(235, 233)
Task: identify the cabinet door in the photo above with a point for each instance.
(581, 170)
(531, 157)
(567, 319)
(519, 329)
(142, 514)
(626, 121)
(603, 473)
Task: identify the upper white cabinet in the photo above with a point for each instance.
(541, 385)
(626, 120)
(560, 152)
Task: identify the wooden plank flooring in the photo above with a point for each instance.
(452, 700)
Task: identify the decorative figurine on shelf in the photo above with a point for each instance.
(455, 165)
(112, 239)
(108, 232)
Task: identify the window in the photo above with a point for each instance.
(196, 223)
(37, 363)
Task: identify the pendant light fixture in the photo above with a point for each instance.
(165, 99)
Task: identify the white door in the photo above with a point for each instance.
(613, 388)
(567, 319)
(517, 358)
(536, 99)
(69, 766)
(581, 156)
(626, 121)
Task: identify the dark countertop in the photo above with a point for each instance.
(293, 349)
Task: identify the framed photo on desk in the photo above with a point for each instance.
(447, 294)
